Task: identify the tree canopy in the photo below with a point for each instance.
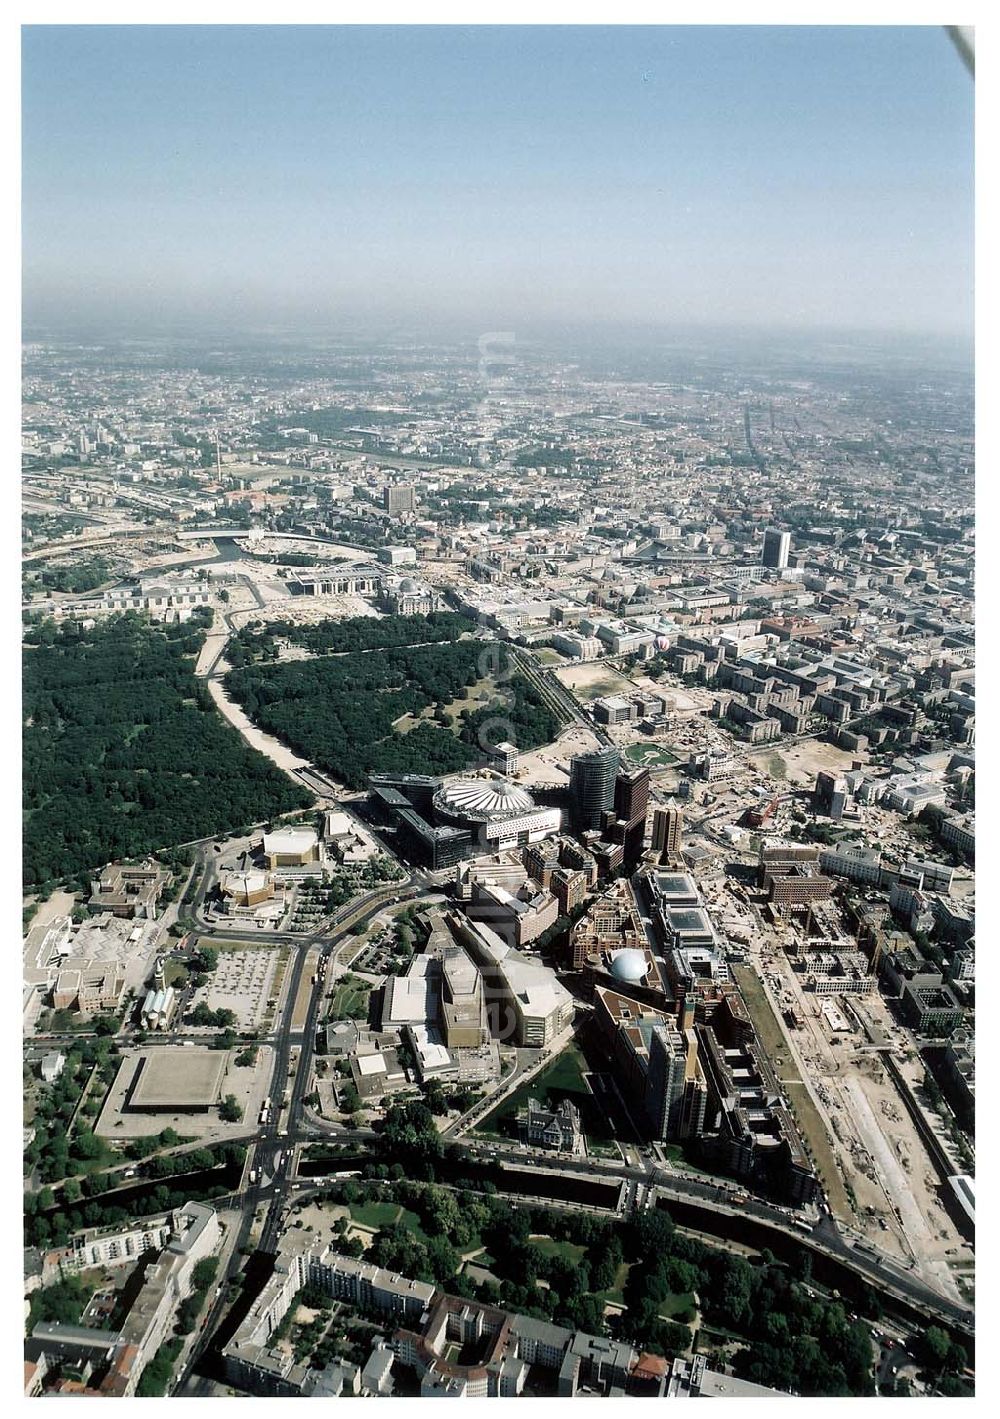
(340, 710)
(355, 633)
(125, 753)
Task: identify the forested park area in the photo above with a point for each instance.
(355, 633)
(339, 709)
(124, 751)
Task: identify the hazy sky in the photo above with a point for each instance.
(794, 176)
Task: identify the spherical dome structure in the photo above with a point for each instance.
(629, 966)
(477, 800)
(408, 584)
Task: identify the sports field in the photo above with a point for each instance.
(650, 756)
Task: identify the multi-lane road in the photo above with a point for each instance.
(270, 1156)
(561, 701)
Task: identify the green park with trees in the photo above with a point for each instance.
(763, 1316)
(340, 709)
(125, 752)
(51, 1216)
(760, 1315)
(255, 642)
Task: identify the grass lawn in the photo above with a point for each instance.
(616, 1296)
(475, 697)
(377, 1215)
(806, 1114)
(675, 1153)
(676, 1302)
(651, 756)
(777, 767)
(609, 684)
(565, 1073)
(63, 1020)
(174, 973)
(548, 1246)
(719, 1334)
(563, 1078)
(351, 1001)
(411, 1222)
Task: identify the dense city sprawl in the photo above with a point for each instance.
(499, 869)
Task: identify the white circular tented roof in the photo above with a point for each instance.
(482, 798)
